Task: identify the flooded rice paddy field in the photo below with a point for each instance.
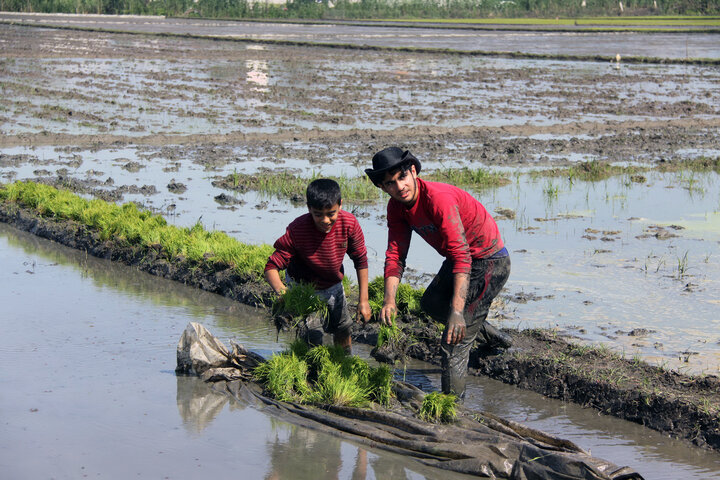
(629, 263)
(94, 388)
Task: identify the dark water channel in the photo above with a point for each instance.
(662, 45)
(89, 390)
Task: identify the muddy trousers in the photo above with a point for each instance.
(487, 278)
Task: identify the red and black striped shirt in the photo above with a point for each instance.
(311, 256)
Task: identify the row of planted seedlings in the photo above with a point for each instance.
(321, 375)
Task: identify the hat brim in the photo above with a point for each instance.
(377, 175)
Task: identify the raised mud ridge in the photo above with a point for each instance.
(681, 406)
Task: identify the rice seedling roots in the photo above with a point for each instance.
(682, 406)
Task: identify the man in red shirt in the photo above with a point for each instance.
(476, 263)
(312, 251)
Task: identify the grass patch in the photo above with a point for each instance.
(466, 177)
(438, 407)
(140, 228)
(324, 375)
(594, 171)
(407, 298)
(287, 185)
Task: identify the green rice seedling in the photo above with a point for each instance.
(380, 384)
(299, 301)
(332, 387)
(438, 406)
(408, 298)
(285, 377)
(355, 366)
(299, 348)
(466, 177)
(126, 223)
(388, 333)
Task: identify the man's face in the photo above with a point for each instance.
(402, 186)
(325, 218)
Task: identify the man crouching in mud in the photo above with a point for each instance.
(476, 265)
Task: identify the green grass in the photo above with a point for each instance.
(324, 375)
(357, 190)
(438, 406)
(650, 21)
(140, 228)
(594, 171)
(466, 177)
(287, 185)
(407, 298)
(299, 301)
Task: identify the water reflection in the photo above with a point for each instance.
(197, 403)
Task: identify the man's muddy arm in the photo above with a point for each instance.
(455, 328)
(389, 308)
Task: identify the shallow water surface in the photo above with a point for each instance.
(89, 349)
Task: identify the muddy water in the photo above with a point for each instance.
(89, 348)
(688, 45)
(587, 258)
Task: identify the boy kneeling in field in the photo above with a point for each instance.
(312, 251)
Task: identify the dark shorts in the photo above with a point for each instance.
(338, 319)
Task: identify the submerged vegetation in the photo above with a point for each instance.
(595, 170)
(324, 375)
(287, 185)
(139, 228)
(438, 407)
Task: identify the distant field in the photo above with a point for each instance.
(669, 21)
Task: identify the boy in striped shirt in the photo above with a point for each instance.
(312, 251)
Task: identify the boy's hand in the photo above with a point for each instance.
(387, 314)
(364, 311)
(455, 329)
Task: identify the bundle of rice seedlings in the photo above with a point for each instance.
(329, 376)
(285, 377)
(388, 334)
(299, 301)
(438, 406)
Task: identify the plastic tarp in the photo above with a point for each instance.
(476, 443)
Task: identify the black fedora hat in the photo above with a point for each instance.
(387, 159)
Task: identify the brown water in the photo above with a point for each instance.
(89, 350)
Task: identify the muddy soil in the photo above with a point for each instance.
(679, 405)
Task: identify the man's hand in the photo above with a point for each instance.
(455, 328)
(363, 311)
(387, 314)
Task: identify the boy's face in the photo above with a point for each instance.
(402, 186)
(325, 218)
